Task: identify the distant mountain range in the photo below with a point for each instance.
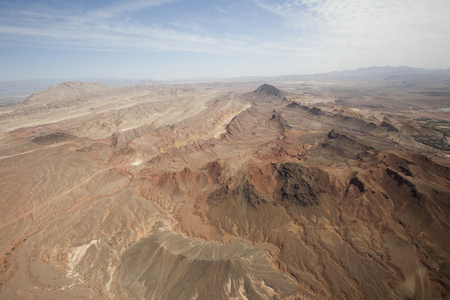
(19, 89)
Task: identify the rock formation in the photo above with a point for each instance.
(195, 192)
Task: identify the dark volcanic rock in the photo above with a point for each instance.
(403, 184)
(244, 194)
(344, 145)
(317, 111)
(389, 126)
(295, 105)
(398, 178)
(298, 185)
(354, 123)
(214, 170)
(356, 182)
(53, 138)
(267, 89)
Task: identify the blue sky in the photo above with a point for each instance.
(174, 39)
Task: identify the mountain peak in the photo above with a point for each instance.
(268, 90)
(68, 90)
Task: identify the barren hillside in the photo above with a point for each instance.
(221, 191)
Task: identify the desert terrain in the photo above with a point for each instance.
(329, 186)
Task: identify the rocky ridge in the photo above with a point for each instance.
(185, 191)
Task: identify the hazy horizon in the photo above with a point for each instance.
(175, 39)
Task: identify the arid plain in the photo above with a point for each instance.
(332, 186)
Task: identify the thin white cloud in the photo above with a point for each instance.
(366, 24)
(120, 8)
(93, 30)
(292, 33)
(222, 10)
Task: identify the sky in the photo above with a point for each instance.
(179, 39)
